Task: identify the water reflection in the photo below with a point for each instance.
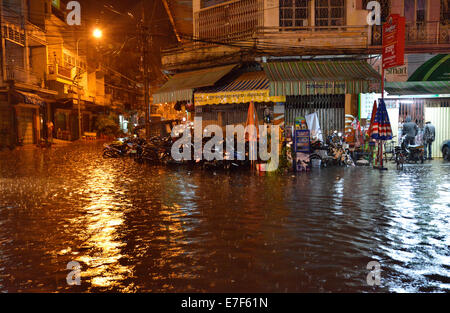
(141, 228)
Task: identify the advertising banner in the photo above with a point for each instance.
(393, 41)
(236, 97)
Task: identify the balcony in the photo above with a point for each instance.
(21, 75)
(36, 34)
(57, 71)
(432, 35)
(276, 41)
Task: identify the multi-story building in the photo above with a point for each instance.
(23, 77)
(47, 76)
(80, 84)
(314, 55)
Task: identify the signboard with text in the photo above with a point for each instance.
(393, 41)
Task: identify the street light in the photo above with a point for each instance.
(97, 33)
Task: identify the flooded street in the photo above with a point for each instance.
(141, 228)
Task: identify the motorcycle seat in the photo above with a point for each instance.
(415, 146)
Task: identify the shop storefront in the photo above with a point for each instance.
(227, 104)
(425, 96)
(178, 91)
(28, 111)
(328, 88)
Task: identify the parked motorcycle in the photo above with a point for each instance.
(122, 147)
(408, 153)
(334, 152)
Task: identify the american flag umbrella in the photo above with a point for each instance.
(372, 118)
(381, 128)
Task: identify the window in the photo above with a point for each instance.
(445, 11)
(415, 11)
(294, 13)
(330, 12)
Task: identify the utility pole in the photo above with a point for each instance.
(77, 81)
(144, 37)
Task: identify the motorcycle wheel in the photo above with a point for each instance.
(399, 159)
(446, 153)
(150, 156)
(109, 154)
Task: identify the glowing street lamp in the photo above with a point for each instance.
(97, 33)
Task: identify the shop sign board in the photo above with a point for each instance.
(393, 41)
(302, 140)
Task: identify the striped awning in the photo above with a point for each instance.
(321, 77)
(27, 98)
(418, 88)
(181, 86)
(251, 86)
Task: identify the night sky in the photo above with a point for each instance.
(120, 43)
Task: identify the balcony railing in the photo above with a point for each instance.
(36, 33)
(22, 75)
(230, 19)
(56, 69)
(434, 33)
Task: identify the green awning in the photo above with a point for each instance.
(181, 86)
(417, 88)
(435, 69)
(431, 78)
(321, 77)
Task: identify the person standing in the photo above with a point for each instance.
(50, 131)
(410, 129)
(428, 138)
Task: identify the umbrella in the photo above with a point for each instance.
(252, 119)
(381, 127)
(372, 118)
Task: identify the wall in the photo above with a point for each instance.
(37, 11)
(38, 64)
(355, 16)
(271, 13)
(440, 118)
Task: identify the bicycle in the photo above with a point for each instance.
(389, 150)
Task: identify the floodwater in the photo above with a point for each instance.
(141, 228)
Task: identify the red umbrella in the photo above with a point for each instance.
(252, 119)
(372, 119)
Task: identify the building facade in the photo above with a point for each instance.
(312, 52)
(49, 78)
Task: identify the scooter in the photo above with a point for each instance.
(120, 148)
(412, 153)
